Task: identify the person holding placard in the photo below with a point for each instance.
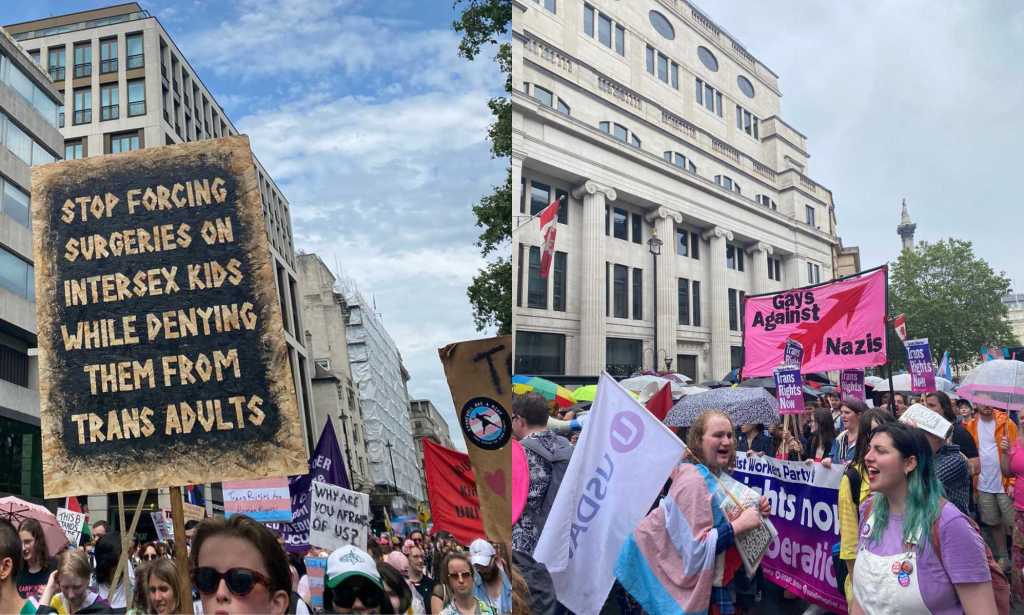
(239, 567)
(108, 552)
(845, 444)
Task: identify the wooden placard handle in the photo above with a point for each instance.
(181, 552)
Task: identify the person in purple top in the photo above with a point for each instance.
(897, 569)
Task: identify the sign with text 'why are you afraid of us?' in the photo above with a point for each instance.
(161, 355)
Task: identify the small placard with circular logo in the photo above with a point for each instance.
(486, 423)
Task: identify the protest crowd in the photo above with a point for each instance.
(241, 566)
(929, 519)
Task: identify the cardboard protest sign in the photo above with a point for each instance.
(851, 383)
(919, 359)
(839, 325)
(71, 522)
(789, 389)
(325, 466)
(161, 355)
(805, 514)
(479, 374)
(316, 568)
(263, 500)
(451, 489)
(793, 354)
(191, 512)
(338, 517)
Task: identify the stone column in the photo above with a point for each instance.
(718, 300)
(759, 253)
(793, 269)
(591, 360)
(666, 304)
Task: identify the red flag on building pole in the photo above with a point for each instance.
(661, 403)
(899, 323)
(548, 251)
(549, 213)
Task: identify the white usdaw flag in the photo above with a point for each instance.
(621, 462)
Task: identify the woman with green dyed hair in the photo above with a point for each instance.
(897, 568)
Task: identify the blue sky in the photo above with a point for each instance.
(374, 129)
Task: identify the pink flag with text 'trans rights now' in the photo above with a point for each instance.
(841, 325)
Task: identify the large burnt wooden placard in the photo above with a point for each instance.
(162, 359)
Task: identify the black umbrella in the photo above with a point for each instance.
(744, 405)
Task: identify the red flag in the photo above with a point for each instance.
(549, 213)
(661, 403)
(71, 503)
(451, 489)
(900, 324)
(548, 251)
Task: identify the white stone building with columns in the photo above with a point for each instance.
(652, 122)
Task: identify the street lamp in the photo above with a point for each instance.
(654, 247)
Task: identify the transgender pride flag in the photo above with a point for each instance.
(668, 563)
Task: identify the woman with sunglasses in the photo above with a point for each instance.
(150, 553)
(239, 567)
(353, 584)
(458, 578)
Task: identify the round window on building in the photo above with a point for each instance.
(745, 86)
(707, 58)
(662, 25)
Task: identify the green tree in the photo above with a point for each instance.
(485, 23)
(951, 297)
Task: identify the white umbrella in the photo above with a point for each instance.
(998, 383)
(678, 377)
(901, 382)
(874, 381)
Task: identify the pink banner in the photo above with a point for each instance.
(840, 326)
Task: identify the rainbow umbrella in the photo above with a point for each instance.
(562, 396)
(588, 392)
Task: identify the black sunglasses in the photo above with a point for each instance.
(240, 581)
(345, 595)
(150, 557)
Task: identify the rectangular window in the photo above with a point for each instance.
(620, 40)
(772, 272)
(559, 282)
(809, 215)
(563, 208)
(675, 75)
(663, 68)
(730, 256)
(34, 54)
(623, 356)
(650, 59)
(620, 229)
(83, 60)
(686, 364)
(743, 308)
(604, 30)
(739, 258)
(537, 287)
(733, 311)
(55, 63)
(16, 204)
(540, 195)
(60, 116)
(695, 245)
(682, 242)
(540, 353)
(18, 142)
(108, 55)
(637, 225)
(638, 294)
(813, 273)
(108, 102)
(607, 288)
(683, 301)
(16, 275)
(83, 106)
(74, 150)
(136, 97)
(696, 302)
(709, 97)
(735, 357)
(620, 295)
(588, 20)
(519, 278)
(778, 269)
(124, 142)
(133, 43)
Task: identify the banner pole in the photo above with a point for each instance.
(122, 563)
(181, 552)
(888, 351)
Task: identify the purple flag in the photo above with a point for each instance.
(919, 359)
(851, 383)
(326, 466)
(789, 388)
(794, 353)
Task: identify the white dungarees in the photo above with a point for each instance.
(887, 583)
